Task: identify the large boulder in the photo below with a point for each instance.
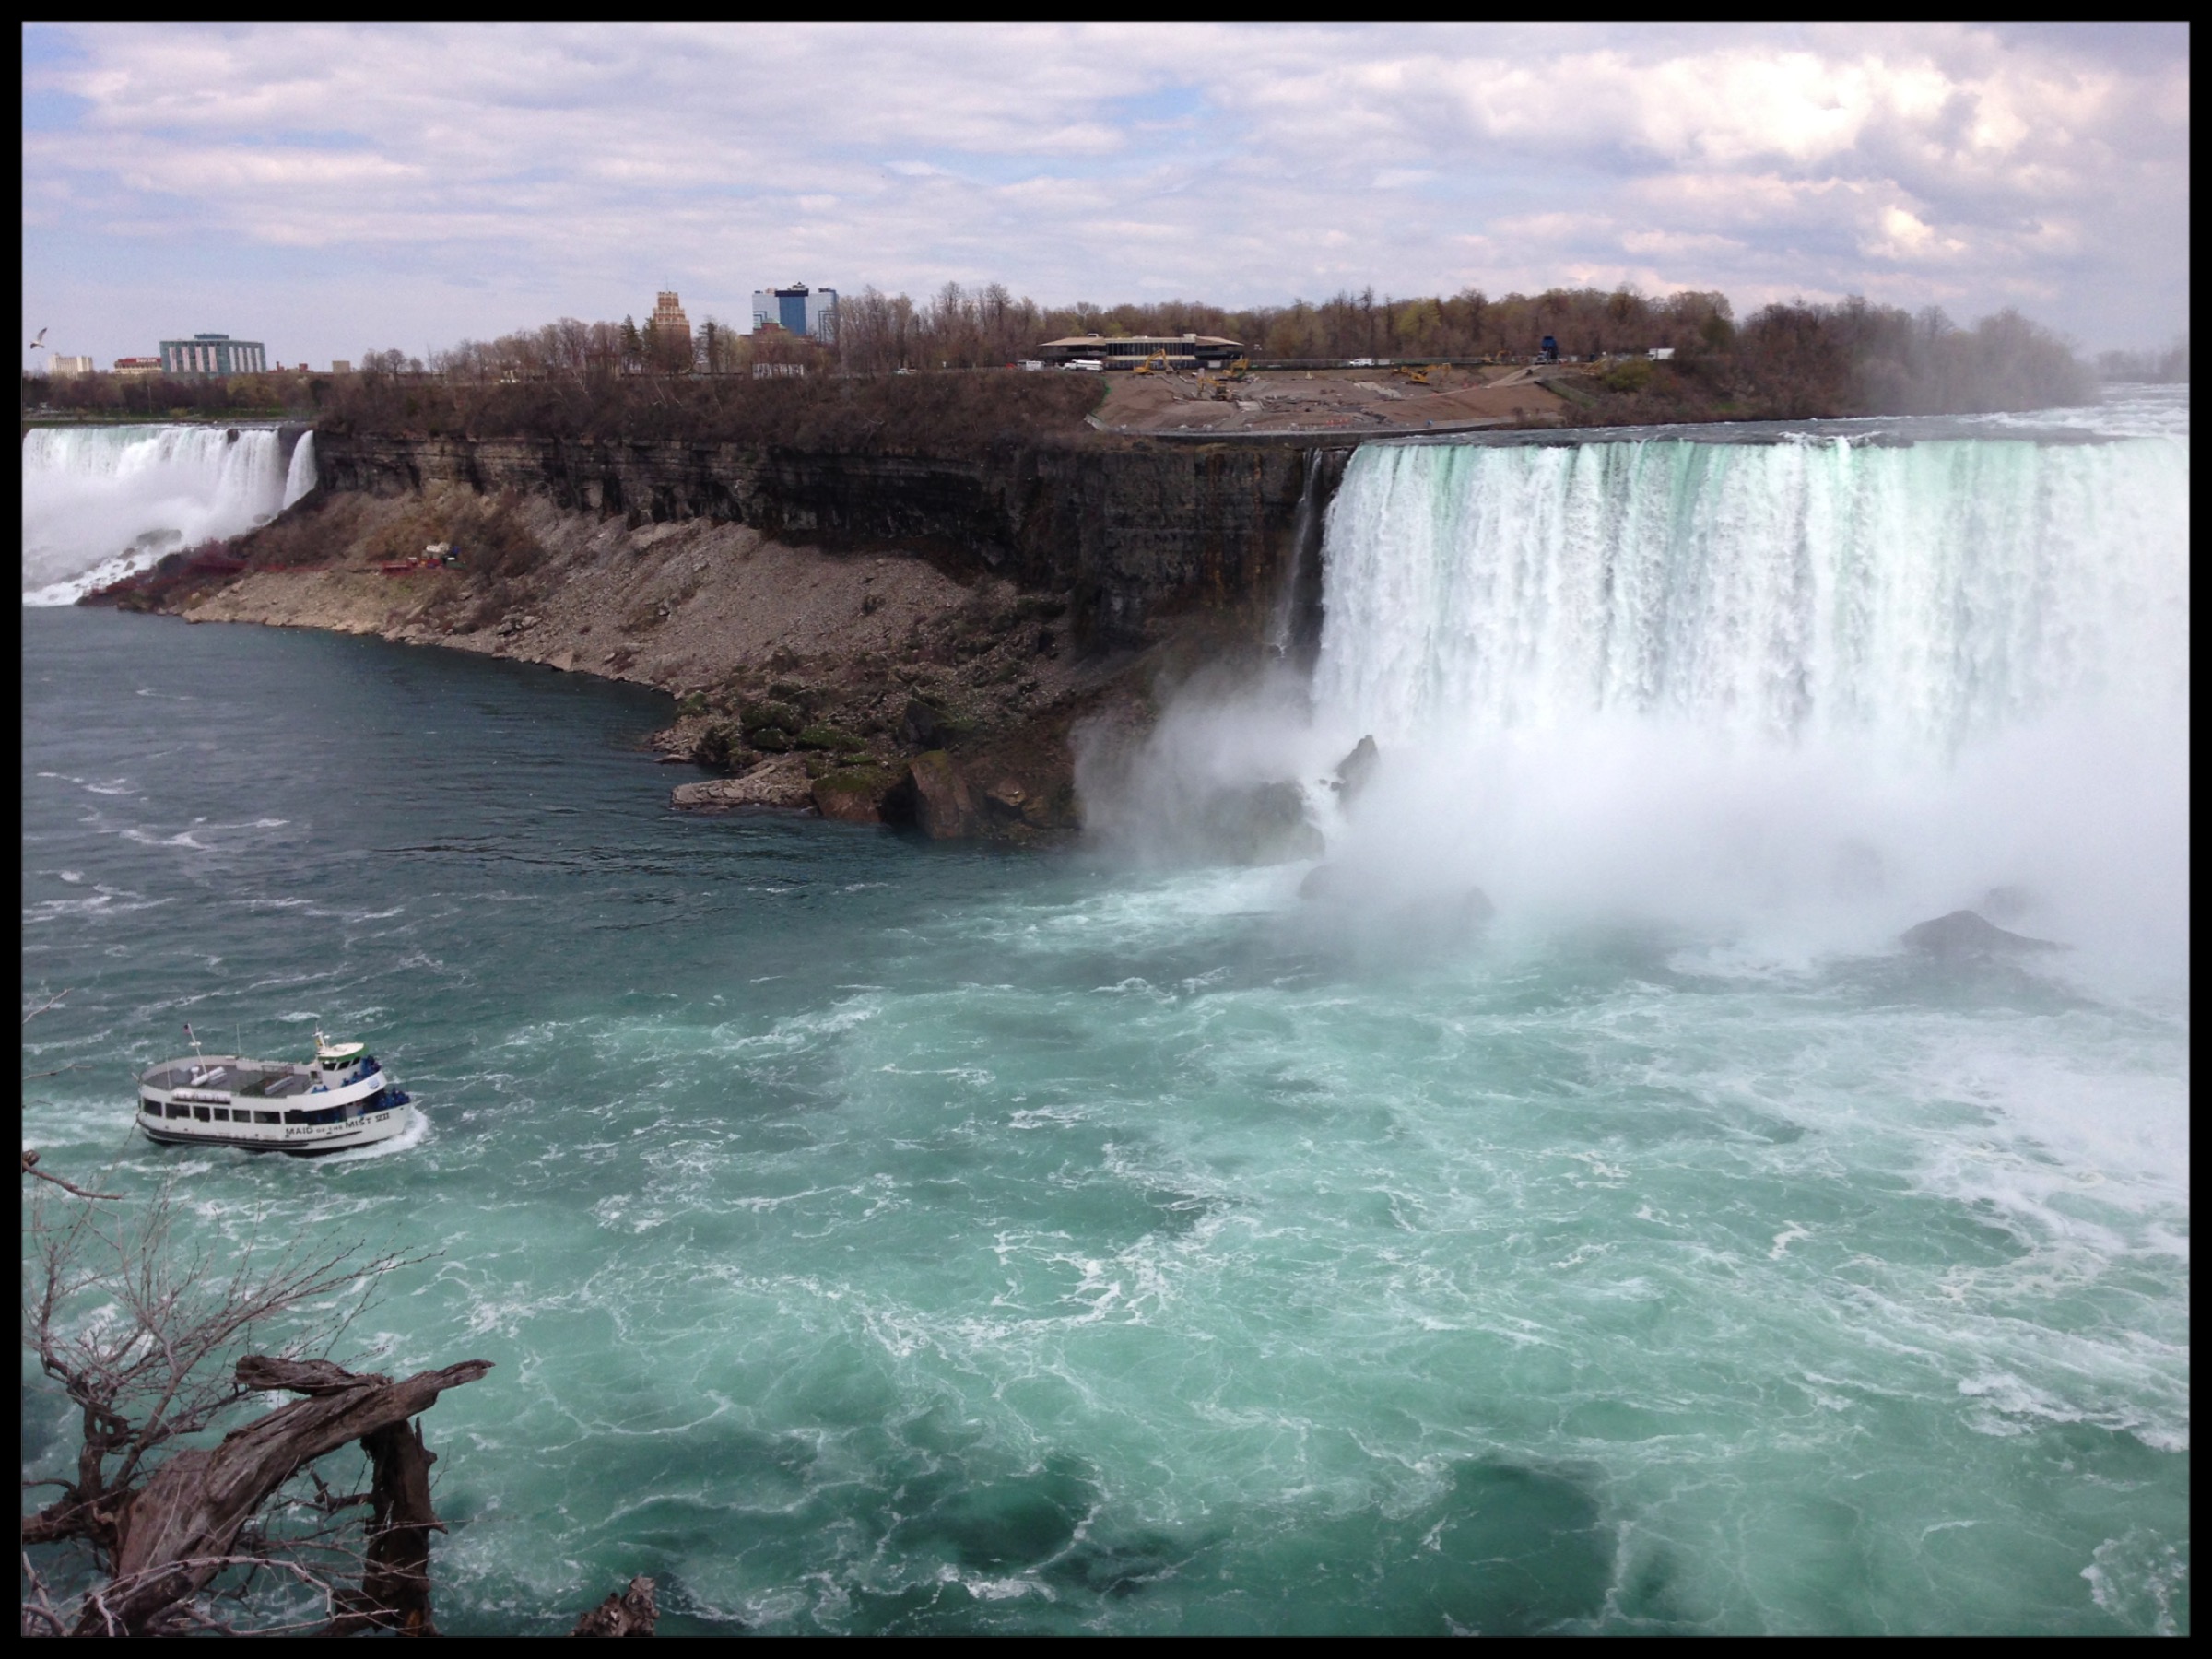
(779, 781)
(1962, 935)
(942, 806)
(1355, 769)
(855, 795)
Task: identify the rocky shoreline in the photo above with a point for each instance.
(865, 685)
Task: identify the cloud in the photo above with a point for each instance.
(329, 185)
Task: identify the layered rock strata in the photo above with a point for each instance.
(1126, 532)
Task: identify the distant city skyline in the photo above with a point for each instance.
(331, 189)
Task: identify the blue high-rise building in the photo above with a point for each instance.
(797, 310)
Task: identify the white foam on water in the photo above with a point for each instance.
(417, 1132)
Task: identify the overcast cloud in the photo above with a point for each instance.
(331, 188)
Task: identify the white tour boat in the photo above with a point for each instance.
(342, 1100)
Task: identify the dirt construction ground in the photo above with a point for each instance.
(1334, 400)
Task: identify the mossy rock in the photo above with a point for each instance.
(691, 703)
(722, 745)
(853, 794)
(761, 718)
(827, 737)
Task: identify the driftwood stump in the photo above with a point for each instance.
(178, 1531)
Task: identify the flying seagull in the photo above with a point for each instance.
(37, 343)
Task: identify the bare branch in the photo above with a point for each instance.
(31, 1160)
(52, 1002)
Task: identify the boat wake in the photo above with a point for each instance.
(418, 1131)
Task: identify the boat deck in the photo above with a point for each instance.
(246, 1078)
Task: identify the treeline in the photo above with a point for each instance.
(2167, 368)
(923, 414)
(571, 378)
(571, 348)
(1787, 361)
(158, 397)
(1797, 362)
(968, 328)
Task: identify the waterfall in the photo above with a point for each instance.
(1823, 689)
(99, 502)
(1289, 635)
(299, 477)
(1916, 596)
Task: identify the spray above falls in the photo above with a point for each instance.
(99, 502)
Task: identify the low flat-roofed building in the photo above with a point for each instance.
(65, 367)
(138, 366)
(1181, 352)
(213, 353)
(340, 366)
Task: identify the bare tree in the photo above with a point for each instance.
(148, 1333)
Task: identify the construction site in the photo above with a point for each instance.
(1284, 401)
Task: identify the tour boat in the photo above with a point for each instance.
(342, 1100)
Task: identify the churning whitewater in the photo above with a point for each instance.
(873, 1236)
(99, 502)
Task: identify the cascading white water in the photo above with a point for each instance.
(300, 475)
(1806, 692)
(99, 502)
(1917, 596)
(1853, 684)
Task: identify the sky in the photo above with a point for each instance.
(330, 189)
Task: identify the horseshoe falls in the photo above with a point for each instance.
(1552, 1201)
(99, 502)
(1811, 689)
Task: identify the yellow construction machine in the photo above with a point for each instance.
(1155, 364)
(1416, 373)
(1225, 375)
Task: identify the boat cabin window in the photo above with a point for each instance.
(200, 1113)
(177, 1111)
(222, 1115)
(267, 1117)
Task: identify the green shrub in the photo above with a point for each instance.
(1632, 374)
(770, 719)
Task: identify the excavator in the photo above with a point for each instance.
(1416, 374)
(1155, 364)
(1227, 375)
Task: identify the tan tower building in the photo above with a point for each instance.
(669, 324)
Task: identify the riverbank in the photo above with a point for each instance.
(867, 686)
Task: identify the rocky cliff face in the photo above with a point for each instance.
(1133, 532)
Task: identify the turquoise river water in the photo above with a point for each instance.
(877, 1236)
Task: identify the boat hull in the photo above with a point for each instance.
(268, 1106)
(302, 1141)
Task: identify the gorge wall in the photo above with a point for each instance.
(1131, 533)
(894, 637)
